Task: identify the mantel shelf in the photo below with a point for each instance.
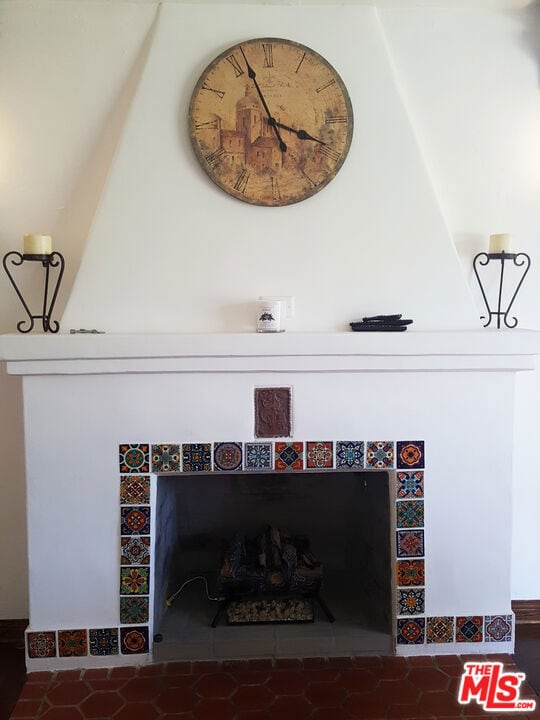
(285, 352)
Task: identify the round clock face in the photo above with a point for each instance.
(271, 121)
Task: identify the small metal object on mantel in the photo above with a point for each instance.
(82, 331)
(381, 323)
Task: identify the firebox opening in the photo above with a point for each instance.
(347, 520)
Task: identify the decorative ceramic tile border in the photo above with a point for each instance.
(405, 457)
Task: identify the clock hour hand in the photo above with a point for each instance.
(301, 134)
(253, 76)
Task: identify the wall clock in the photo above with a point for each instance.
(271, 121)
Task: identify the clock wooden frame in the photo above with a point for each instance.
(271, 121)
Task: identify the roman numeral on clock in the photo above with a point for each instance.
(329, 153)
(238, 70)
(276, 195)
(219, 93)
(268, 50)
(242, 181)
(335, 119)
(215, 157)
(326, 85)
(208, 125)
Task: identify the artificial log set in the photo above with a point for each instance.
(271, 578)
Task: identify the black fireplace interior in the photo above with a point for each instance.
(342, 518)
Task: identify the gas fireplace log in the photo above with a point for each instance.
(274, 561)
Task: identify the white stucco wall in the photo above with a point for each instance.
(469, 83)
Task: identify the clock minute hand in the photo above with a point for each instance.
(302, 134)
(253, 76)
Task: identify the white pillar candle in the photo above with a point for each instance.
(37, 245)
(500, 243)
(269, 316)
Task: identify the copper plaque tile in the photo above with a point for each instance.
(273, 412)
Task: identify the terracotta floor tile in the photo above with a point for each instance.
(404, 712)
(402, 692)
(332, 713)
(176, 700)
(33, 691)
(367, 663)
(358, 681)
(441, 704)
(315, 663)
(68, 693)
(205, 666)
(217, 685)
(325, 694)
(253, 697)
(141, 688)
(178, 668)
(106, 685)
(101, 704)
(260, 664)
(137, 711)
(366, 705)
(62, 713)
(288, 664)
(39, 677)
(251, 678)
(326, 675)
(214, 708)
(393, 668)
(65, 675)
(292, 707)
(124, 672)
(26, 709)
(287, 682)
(253, 715)
(426, 678)
(95, 674)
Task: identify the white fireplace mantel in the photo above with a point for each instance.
(76, 354)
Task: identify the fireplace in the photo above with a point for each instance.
(345, 514)
(98, 409)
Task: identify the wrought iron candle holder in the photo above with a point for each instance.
(53, 260)
(519, 260)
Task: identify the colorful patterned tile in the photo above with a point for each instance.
(319, 455)
(134, 458)
(410, 513)
(134, 640)
(410, 454)
(350, 455)
(197, 457)
(72, 643)
(134, 489)
(469, 629)
(103, 641)
(134, 610)
(165, 458)
(411, 632)
(135, 520)
(228, 456)
(134, 580)
(380, 454)
(273, 410)
(411, 601)
(498, 628)
(410, 485)
(410, 543)
(135, 550)
(258, 456)
(440, 630)
(410, 572)
(289, 456)
(41, 644)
